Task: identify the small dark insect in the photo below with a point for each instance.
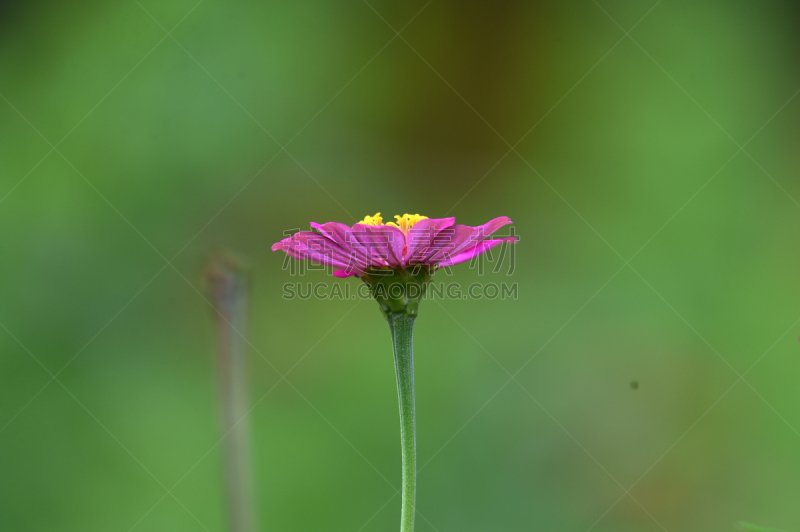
(634, 385)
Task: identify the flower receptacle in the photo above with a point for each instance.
(398, 291)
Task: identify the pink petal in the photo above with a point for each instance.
(342, 234)
(338, 232)
(474, 251)
(383, 244)
(315, 247)
(464, 237)
(422, 240)
(343, 273)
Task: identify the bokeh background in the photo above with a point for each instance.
(128, 154)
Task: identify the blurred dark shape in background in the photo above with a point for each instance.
(228, 288)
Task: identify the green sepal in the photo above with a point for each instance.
(398, 291)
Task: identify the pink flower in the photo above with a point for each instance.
(413, 240)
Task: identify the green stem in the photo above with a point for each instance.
(402, 326)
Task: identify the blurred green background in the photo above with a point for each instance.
(167, 148)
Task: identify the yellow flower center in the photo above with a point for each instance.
(404, 223)
(407, 221)
(372, 220)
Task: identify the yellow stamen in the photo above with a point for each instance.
(404, 223)
(407, 221)
(372, 220)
